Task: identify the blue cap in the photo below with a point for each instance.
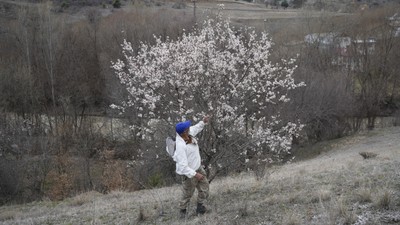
(182, 126)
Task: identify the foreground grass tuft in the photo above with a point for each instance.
(384, 199)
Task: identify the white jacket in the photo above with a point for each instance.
(187, 156)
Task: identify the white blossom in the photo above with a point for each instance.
(212, 69)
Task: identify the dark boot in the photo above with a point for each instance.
(182, 213)
(201, 209)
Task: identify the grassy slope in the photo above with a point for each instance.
(337, 187)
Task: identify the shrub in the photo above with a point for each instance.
(285, 4)
(57, 186)
(116, 3)
(64, 4)
(156, 180)
(368, 155)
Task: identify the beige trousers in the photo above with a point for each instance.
(190, 184)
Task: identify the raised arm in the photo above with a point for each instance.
(194, 130)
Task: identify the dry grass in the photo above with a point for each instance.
(355, 191)
(84, 198)
(364, 195)
(384, 199)
(7, 215)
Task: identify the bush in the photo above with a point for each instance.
(64, 4)
(156, 180)
(58, 186)
(116, 3)
(285, 4)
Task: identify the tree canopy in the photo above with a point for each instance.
(215, 70)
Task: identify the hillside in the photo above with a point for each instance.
(337, 187)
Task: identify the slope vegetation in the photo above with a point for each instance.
(337, 187)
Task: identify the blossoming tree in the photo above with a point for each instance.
(219, 71)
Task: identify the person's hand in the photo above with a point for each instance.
(206, 119)
(199, 176)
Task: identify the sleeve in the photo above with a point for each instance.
(182, 167)
(194, 130)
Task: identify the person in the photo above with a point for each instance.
(188, 164)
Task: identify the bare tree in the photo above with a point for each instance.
(373, 57)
